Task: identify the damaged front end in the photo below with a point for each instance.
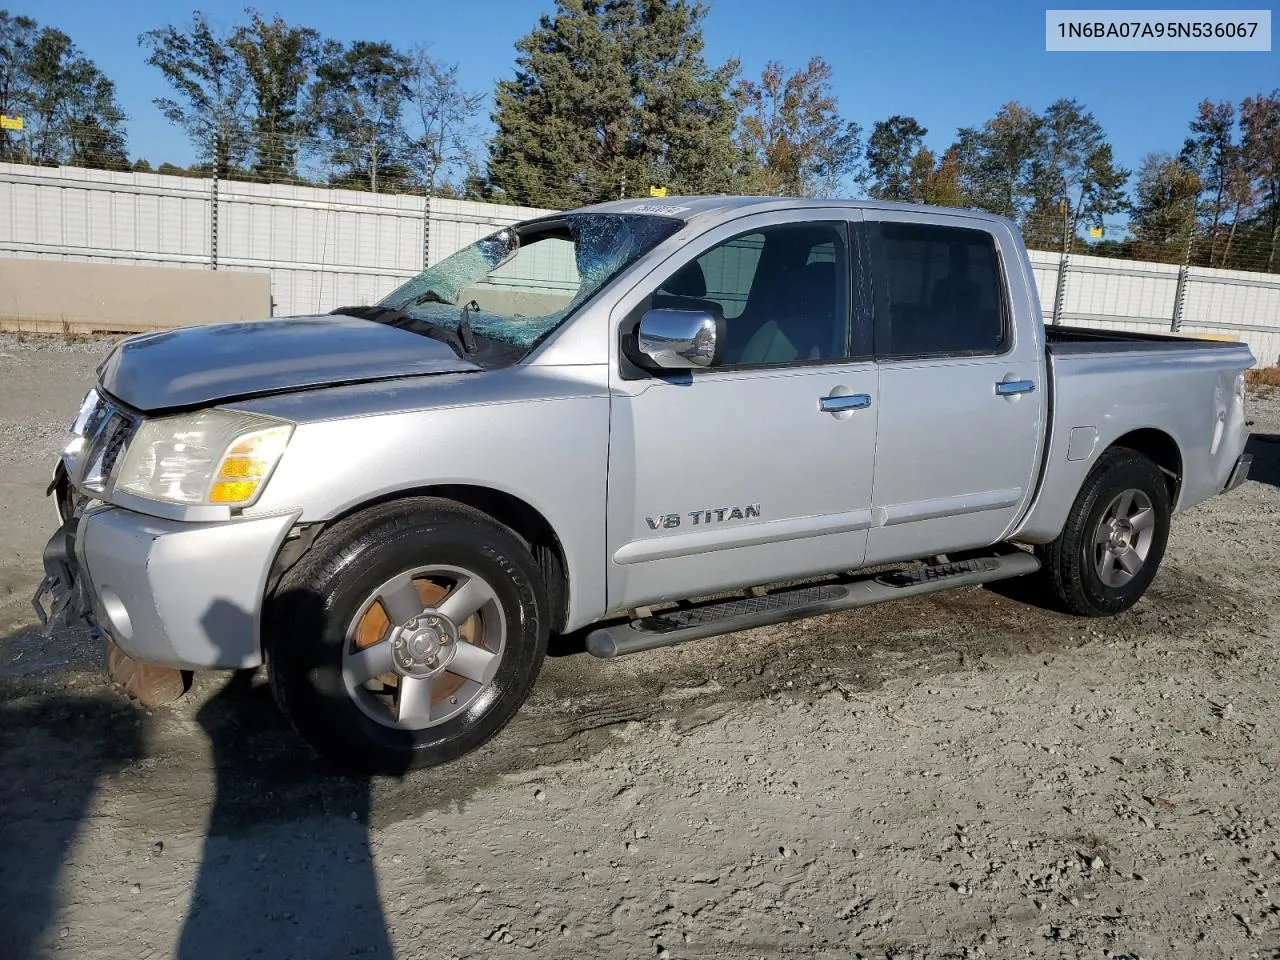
(64, 584)
(68, 594)
(98, 435)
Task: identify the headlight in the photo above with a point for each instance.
(90, 407)
(209, 457)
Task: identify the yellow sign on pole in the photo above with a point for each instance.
(657, 191)
(1095, 232)
(10, 123)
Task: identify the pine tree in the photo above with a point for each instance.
(896, 163)
(1260, 142)
(357, 102)
(609, 98)
(996, 160)
(687, 120)
(1211, 151)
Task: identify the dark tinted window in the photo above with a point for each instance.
(942, 291)
(783, 292)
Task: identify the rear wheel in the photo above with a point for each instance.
(1115, 536)
(407, 636)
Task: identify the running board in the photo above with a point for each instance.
(682, 624)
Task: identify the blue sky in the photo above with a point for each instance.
(949, 64)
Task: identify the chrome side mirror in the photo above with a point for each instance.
(681, 339)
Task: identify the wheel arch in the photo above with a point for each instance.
(517, 515)
(1161, 449)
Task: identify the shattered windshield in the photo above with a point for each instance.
(520, 283)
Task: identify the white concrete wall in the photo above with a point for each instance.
(324, 248)
(1139, 296)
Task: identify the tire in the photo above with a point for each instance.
(1090, 578)
(346, 610)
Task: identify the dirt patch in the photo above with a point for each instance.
(963, 775)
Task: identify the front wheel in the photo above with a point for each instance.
(407, 636)
(1110, 549)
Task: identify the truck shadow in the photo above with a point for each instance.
(1265, 448)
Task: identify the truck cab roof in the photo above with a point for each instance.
(722, 205)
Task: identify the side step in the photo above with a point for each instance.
(718, 617)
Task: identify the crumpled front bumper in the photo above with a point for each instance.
(176, 593)
(69, 603)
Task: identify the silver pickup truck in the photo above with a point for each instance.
(590, 420)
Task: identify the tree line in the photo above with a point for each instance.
(612, 97)
(67, 105)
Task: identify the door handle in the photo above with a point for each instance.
(1009, 388)
(838, 403)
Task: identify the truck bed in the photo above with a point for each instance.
(1180, 393)
(1068, 341)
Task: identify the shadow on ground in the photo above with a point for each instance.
(305, 888)
(1265, 448)
(49, 783)
(285, 866)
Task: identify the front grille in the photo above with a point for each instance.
(117, 433)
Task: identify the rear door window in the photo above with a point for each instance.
(938, 291)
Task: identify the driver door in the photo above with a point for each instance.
(758, 469)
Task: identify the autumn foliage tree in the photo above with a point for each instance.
(1164, 207)
(612, 97)
(791, 130)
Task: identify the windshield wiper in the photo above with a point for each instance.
(397, 317)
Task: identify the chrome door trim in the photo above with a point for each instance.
(838, 403)
(1011, 388)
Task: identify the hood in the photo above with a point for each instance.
(193, 366)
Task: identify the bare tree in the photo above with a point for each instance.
(444, 135)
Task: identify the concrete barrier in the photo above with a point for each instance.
(69, 296)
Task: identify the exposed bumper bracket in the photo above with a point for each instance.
(69, 604)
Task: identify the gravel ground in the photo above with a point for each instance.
(965, 775)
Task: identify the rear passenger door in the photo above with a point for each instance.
(961, 371)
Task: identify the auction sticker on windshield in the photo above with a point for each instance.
(658, 209)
